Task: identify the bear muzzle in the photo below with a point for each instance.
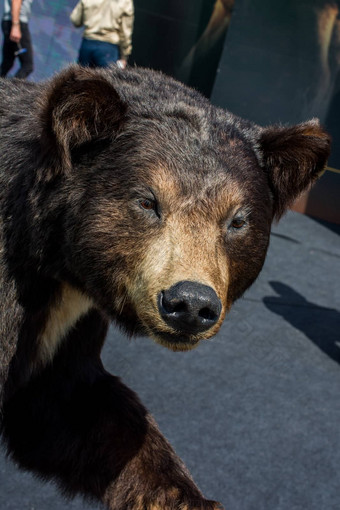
(189, 307)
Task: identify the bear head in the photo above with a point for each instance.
(165, 201)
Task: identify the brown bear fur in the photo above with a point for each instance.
(127, 197)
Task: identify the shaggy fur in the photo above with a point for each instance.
(126, 197)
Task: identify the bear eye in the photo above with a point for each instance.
(150, 205)
(237, 223)
(147, 204)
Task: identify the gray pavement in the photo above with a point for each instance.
(254, 412)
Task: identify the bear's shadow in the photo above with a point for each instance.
(320, 324)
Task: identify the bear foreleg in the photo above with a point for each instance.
(78, 425)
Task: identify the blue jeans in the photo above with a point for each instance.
(97, 53)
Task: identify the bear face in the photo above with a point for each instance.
(177, 220)
(178, 195)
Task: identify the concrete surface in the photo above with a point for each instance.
(254, 412)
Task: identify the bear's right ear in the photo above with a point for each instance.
(79, 105)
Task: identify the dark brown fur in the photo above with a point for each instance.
(118, 190)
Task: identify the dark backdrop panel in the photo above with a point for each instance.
(281, 63)
(166, 32)
(277, 65)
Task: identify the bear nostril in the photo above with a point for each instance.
(180, 307)
(189, 307)
(172, 306)
(208, 314)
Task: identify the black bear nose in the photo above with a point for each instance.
(189, 307)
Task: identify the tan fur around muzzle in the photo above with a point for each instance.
(188, 249)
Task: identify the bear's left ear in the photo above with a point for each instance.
(293, 158)
(79, 105)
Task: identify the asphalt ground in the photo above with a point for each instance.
(254, 412)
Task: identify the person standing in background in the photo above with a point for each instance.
(17, 37)
(108, 31)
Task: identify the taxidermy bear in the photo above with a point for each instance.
(125, 196)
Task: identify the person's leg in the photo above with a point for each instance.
(105, 54)
(8, 49)
(26, 59)
(84, 57)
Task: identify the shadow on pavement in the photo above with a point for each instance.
(319, 324)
